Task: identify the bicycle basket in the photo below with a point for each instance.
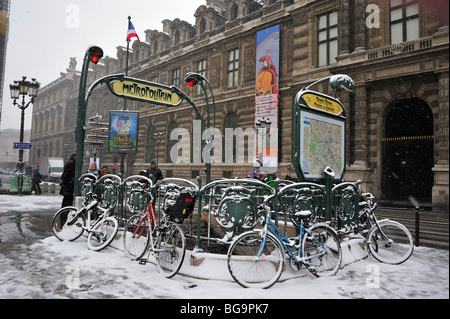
(183, 206)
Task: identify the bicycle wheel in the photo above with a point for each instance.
(102, 234)
(249, 270)
(321, 250)
(60, 226)
(390, 243)
(169, 250)
(136, 237)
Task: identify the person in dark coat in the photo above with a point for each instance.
(154, 172)
(68, 181)
(35, 180)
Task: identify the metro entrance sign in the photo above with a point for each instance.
(146, 92)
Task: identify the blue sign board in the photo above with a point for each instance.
(21, 146)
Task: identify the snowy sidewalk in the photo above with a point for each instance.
(54, 269)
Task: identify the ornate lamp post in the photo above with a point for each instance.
(93, 54)
(158, 139)
(23, 87)
(192, 79)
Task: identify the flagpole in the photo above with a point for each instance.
(123, 155)
(128, 48)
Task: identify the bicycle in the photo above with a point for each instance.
(388, 241)
(255, 258)
(69, 223)
(169, 248)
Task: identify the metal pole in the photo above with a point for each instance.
(81, 121)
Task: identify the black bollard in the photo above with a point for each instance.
(417, 240)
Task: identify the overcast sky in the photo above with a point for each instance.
(44, 34)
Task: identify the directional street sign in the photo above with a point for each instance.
(98, 124)
(21, 146)
(97, 144)
(99, 130)
(95, 118)
(97, 137)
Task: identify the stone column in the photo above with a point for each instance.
(440, 191)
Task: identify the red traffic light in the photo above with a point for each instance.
(191, 82)
(95, 59)
(95, 54)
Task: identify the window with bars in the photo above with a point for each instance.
(404, 20)
(233, 68)
(176, 77)
(327, 32)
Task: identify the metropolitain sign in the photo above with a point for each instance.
(146, 92)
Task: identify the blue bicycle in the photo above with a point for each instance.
(256, 258)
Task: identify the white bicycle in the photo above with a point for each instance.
(69, 223)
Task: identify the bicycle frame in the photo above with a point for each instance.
(149, 219)
(87, 210)
(285, 242)
(372, 219)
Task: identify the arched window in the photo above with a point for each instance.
(202, 25)
(234, 12)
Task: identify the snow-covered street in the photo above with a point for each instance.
(52, 269)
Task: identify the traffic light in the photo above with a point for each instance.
(95, 53)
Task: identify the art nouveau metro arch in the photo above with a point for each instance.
(407, 150)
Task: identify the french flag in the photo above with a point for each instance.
(131, 32)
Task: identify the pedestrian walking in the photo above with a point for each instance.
(105, 170)
(68, 181)
(36, 178)
(94, 170)
(154, 172)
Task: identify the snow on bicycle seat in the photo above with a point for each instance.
(303, 213)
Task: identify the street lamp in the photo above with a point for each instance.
(93, 54)
(158, 138)
(261, 126)
(23, 87)
(192, 79)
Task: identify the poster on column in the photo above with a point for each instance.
(123, 131)
(266, 98)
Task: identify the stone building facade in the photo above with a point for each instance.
(396, 51)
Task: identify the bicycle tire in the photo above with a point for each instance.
(61, 230)
(327, 264)
(103, 233)
(392, 252)
(170, 248)
(136, 237)
(249, 270)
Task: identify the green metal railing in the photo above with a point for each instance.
(228, 207)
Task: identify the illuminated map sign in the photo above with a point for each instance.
(319, 136)
(321, 144)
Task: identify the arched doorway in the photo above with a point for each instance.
(408, 155)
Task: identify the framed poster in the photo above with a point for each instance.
(123, 131)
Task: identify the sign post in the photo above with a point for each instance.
(319, 137)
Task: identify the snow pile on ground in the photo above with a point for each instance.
(54, 269)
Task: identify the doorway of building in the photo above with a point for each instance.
(408, 153)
